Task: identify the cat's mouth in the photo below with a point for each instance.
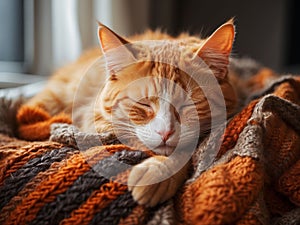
(164, 150)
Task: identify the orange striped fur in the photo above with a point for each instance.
(161, 93)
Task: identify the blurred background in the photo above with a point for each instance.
(38, 36)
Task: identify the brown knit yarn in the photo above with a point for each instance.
(256, 214)
(165, 214)
(253, 180)
(290, 218)
(137, 216)
(11, 146)
(277, 204)
(97, 201)
(102, 197)
(48, 189)
(30, 187)
(223, 193)
(24, 154)
(281, 142)
(289, 183)
(235, 127)
(57, 180)
(286, 91)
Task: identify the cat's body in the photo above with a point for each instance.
(144, 93)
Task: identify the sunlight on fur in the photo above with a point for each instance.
(154, 92)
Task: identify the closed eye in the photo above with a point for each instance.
(141, 103)
(144, 104)
(141, 113)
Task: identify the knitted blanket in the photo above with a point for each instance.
(253, 179)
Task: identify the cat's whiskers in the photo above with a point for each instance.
(126, 137)
(178, 81)
(124, 129)
(123, 123)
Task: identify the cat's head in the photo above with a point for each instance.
(165, 93)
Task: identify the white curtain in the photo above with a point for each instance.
(64, 28)
(57, 31)
(66, 39)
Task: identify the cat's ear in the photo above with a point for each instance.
(216, 49)
(115, 49)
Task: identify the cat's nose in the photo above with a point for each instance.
(165, 135)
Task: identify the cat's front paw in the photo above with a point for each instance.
(152, 182)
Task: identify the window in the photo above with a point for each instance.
(12, 36)
(39, 36)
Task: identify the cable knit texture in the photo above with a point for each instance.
(55, 174)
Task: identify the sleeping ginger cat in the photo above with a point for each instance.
(161, 94)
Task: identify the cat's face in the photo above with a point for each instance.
(160, 112)
(152, 98)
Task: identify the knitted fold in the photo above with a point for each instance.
(252, 179)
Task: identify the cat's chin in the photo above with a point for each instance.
(165, 150)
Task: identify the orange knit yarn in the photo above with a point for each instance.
(137, 216)
(24, 154)
(281, 142)
(235, 127)
(289, 183)
(257, 182)
(47, 190)
(30, 187)
(286, 91)
(223, 193)
(97, 201)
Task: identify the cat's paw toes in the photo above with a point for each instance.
(151, 182)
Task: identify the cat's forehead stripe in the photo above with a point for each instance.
(166, 53)
(165, 70)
